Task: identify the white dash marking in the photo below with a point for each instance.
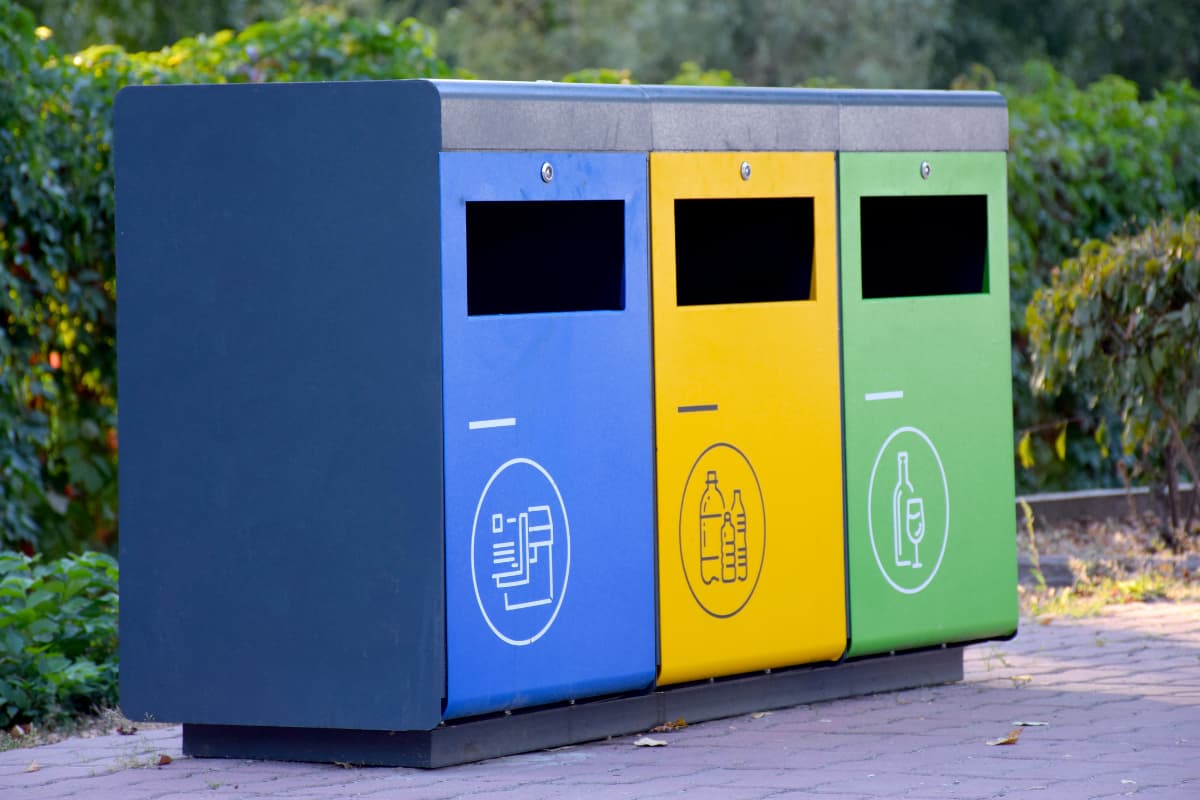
(500, 422)
(896, 395)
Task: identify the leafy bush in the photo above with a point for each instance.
(690, 74)
(314, 44)
(1084, 164)
(58, 636)
(58, 440)
(1088, 162)
(57, 400)
(1120, 324)
(599, 75)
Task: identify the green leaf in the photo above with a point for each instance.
(1191, 407)
(1101, 437)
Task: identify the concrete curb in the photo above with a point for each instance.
(1055, 507)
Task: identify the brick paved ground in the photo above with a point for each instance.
(1121, 694)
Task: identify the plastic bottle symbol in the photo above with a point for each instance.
(739, 528)
(728, 551)
(908, 514)
(712, 515)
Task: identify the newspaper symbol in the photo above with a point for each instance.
(524, 565)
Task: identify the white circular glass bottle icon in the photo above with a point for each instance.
(908, 511)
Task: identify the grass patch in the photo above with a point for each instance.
(1089, 596)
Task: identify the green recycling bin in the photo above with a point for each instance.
(927, 397)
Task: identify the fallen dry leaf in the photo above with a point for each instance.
(759, 714)
(33, 767)
(646, 741)
(16, 731)
(127, 730)
(1021, 724)
(1011, 738)
(163, 759)
(677, 725)
(1021, 680)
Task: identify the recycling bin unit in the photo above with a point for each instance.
(744, 267)
(407, 470)
(925, 349)
(386, 408)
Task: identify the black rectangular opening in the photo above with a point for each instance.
(529, 257)
(922, 246)
(755, 250)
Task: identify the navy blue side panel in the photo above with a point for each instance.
(548, 426)
(281, 426)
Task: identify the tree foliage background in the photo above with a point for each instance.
(1091, 155)
(58, 403)
(872, 43)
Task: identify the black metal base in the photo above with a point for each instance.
(459, 742)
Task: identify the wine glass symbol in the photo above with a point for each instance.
(914, 526)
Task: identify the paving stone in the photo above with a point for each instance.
(1120, 691)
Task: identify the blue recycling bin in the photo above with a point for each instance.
(549, 552)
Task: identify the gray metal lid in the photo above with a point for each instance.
(492, 115)
(742, 118)
(495, 115)
(922, 121)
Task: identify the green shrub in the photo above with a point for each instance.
(690, 74)
(57, 399)
(599, 75)
(1084, 164)
(1120, 325)
(58, 441)
(314, 44)
(58, 637)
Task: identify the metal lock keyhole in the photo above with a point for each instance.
(745, 170)
(925, 170)
(547, 172)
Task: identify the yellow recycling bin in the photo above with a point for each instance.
(751, 548)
